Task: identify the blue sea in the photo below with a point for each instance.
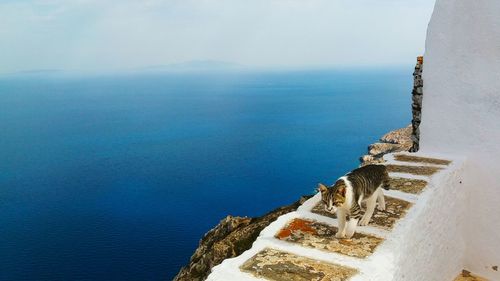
(117, 177)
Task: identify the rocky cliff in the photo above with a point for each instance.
(394, 141)
(231, 237)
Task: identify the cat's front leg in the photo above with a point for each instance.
(351, 227)
(341, 218)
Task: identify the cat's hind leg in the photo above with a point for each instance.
(355, 214)
(370, 208)
(381, 200)
(360, 201)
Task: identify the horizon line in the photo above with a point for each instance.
(187, 67)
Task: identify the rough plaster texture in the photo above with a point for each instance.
(461, 114)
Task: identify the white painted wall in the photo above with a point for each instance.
(431, 242)
(461, 114)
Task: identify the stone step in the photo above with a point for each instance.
(321, 236)
(395, 209)
(420, 159)
(277, 265)
(415, 170)
(413, 186)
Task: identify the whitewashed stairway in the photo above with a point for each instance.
(416, 238)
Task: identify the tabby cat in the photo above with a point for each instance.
(346, 195)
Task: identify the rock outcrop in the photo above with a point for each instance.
(394, 141)
(231, 237)
(404, 139)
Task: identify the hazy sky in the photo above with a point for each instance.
(126, 34)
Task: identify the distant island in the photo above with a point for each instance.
(195, 65)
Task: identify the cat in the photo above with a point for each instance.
(346, 195)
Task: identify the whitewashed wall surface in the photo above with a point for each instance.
(461, 115)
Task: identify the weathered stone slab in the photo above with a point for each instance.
(276, 265)
(395, 209)
(419, 159)
(321, 236)
(415, 170)
(413, 186)
(467, 276)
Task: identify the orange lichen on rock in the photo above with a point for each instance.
(321, 236)
(284, 233)
(296, 225)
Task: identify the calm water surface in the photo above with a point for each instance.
(118, 177)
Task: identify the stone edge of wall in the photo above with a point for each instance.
(416, 107)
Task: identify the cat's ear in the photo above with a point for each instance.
(341, 191)
(322, 187)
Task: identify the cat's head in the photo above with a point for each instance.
(334, 196)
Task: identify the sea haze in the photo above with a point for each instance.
(118, 177)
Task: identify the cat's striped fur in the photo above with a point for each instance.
(347, 194)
